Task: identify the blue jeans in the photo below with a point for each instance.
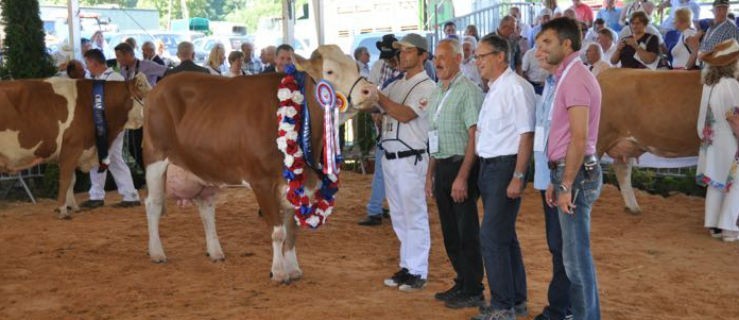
(501, 252)
(374, 206)
(578, 260)
(559, 288)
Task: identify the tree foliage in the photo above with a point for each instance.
(25, 51)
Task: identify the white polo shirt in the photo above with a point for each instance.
(110, 75)
(414, 133)
(507, 112)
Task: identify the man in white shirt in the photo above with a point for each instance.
(505, 138)
(594, 57)
(95, 61)
(533, 72)
(404, 138)
(605, 39)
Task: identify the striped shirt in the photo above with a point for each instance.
(717, 34)
(458, 113)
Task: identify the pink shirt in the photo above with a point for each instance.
(578, 88)
(584, 13)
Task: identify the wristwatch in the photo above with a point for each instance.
(562, 188)
(518, 175)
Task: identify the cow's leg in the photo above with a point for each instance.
(207, 210)
(622, 169)
(268, 198)
(155, 206)
(291, 259)
(66, 184)
(71, 202)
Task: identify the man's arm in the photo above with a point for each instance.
(400, 112)
(578, 117)
(430, 177)
(525, 147)
(459, 186)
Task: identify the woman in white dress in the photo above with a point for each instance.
(718, 157)
(683, 57)
(215, 60)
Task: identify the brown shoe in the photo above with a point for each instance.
(127, 204)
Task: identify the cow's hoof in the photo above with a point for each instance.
(218, 257)
(64, 215)
(158, 258)
(296, 275)
(631, 211)
(280, 277)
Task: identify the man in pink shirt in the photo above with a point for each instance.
(583, 12)
(576, 177)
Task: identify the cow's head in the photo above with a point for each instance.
(328, 62)
(137, 88)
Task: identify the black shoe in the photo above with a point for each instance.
(91, 204)
(127, 204)
(461, 301)
(412, 283)
(371, 221)
(386, 213)
(398, 278)
(452, 292)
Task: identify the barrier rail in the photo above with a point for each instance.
(19, 178)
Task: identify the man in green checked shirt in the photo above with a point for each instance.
(453, 110)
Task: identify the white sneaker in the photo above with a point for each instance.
(730, 236)
(715, 232)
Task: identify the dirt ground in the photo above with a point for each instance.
(658, 265)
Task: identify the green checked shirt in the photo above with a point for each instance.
(459, 112)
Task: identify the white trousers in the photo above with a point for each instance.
(120, 171)
(405, 182)
(722, 209)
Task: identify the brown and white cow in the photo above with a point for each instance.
(222, 131)
(51, 121)
(647, 111)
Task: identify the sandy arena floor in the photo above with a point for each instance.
(658, 265)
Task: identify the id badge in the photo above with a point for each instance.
(433, 141)
(539, 139)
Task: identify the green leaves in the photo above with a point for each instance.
(25, 50)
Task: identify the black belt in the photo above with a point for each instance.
(497, 159)
(404, 154)
(588, 160)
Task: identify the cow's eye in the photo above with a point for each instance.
(329, 72)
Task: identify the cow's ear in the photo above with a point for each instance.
(313, 66)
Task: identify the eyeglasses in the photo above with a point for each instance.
(480, 56)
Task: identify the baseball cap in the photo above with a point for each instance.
(412, 40)
(717, 3)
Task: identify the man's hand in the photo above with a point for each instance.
(459, 190)
(564, 202)
(549, 196)
(514, 188)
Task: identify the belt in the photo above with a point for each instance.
(497, 159)
(588, 160)
(452, 159)
(404, 154)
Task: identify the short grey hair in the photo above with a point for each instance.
(185, 50)
(453, 43)
(471, 40)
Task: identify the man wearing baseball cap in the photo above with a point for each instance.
(404, 139)
(722, 29)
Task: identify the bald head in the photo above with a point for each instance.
(185, 51)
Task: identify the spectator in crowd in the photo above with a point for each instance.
(555, 9)
(721, 30)
(450, 29)
(98, 42)
(85, 44)
(682, 55)
(718, 157)
(506, 30)
(164, 54)
(216, 58)
(452, 173)
(544, 16)
(629, 9)
(610, 15)
(186, 54)
(505, 130)
(583, 12)
(267, 56)
(383, 72)
(669, 23)
(469, 67)
(570, 149)
(523, 29)
(362, 57)
(594, 56)
(75, 70)
(606, 41)
(471, 31)
(148, 51)
(250, 65)
(405, 138)
(640, 50)
(118, 168)
(235, 69)
(592, 34)
(533, 72)
(558, 293)
(571, 14)
(136, 50)
(651, 29)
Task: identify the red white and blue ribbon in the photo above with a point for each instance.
(326, 96)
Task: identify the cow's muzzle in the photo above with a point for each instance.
(366, 93)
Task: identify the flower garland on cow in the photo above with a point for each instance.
(293, 140)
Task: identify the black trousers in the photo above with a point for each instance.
(460, 224)
(134, 138)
